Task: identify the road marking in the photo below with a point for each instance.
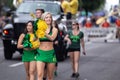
(16, 64)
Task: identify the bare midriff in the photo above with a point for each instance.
(46, 46)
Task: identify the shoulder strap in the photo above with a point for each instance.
(51, 29)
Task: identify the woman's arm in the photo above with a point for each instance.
(83, 45)
(20, 40)
(67, 39)
(54, 34)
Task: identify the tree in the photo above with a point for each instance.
(6, 3)
(91, 5)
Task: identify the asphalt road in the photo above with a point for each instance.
(102, 62)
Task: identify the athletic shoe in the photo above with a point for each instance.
(73, 75)
(55, 73)
(44, 78)
(76, 75)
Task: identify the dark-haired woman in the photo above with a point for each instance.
(28, 56)
(74, 39)
(56, 46)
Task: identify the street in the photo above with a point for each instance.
(102, 62)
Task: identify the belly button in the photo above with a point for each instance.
(45, 46)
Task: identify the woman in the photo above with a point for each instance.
(28, 52)
(56, 45)
(46, 54)
(74, 38)
(118, 28)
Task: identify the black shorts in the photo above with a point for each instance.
(73, 49)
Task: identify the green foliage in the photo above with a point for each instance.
(6, 3)
(91, 5)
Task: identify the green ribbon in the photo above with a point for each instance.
(35, 25)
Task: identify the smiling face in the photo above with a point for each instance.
(48, 19)
(29, 27)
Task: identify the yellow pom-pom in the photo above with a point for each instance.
(35, 42)
(42, 26)
(32, 37)
(32, 15)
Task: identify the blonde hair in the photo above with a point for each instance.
(44, 15)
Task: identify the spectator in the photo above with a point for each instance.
(56, 46)
(118, 27)
(2, 21)
(88, 23)
(105, 24)
(114, 14)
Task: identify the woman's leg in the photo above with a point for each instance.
(45, 72)
(72, 60)
(40, 70)
(26, 65)
(76, 60)
(50, 71)
(55, 72)
(32, 70)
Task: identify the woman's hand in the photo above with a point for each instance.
(69, 41)
(56, 42)
(84, 53)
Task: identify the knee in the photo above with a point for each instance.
(40, 75)
(50, 77)
(32, 72)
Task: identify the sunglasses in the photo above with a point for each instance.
(75, 24)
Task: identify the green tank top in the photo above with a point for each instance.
(75, 39)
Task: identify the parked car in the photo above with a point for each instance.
(11, 33)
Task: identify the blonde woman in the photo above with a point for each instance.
(46, 54)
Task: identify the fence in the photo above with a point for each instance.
(94, 32)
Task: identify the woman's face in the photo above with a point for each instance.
(75, 26)
(48, 19)
(29, 27)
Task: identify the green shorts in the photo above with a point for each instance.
(46, 56)
(28, 55)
